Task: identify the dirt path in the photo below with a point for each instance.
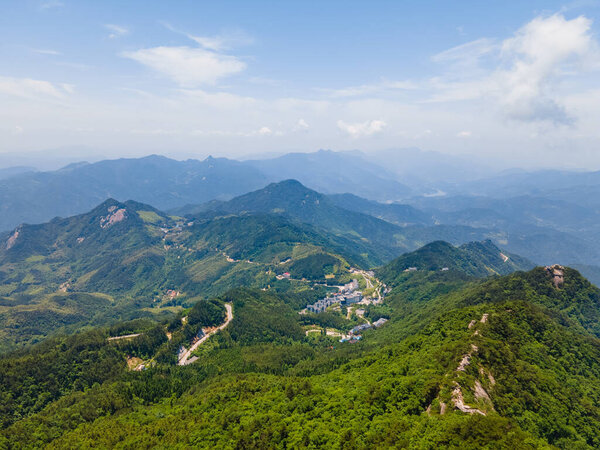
(480, 393)
(127, 336)
(185, 358)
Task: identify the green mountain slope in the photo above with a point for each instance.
(126, 260)
(396, 213)
(386, 239)
(516, 370)
(475, 259)
(292, 199)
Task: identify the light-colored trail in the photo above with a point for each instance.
(127, 336)
(185, 358)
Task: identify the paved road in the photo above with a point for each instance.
(185, 358)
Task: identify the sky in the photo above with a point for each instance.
(516, 83)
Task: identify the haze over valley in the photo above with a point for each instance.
(337, 225)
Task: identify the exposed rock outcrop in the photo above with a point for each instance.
(557, 272)
(114, 216)
(12, 240)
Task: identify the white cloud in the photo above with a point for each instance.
(301, 125)
(116, 30)
(188, 66)
(51, 4)
(470, 50)
(223, 41)
(265, 131)
(42, 51)
(32, 89)
(362, 129)
(464, 134)
(220, 42)
(370, 89)
(536, 55)
(520, 74)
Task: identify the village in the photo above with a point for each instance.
(347, 296)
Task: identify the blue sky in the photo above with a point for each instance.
(512, 81)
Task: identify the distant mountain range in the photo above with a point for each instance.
(163, 182)
(15, 170)
(391, 229)
(123, 259)
(336, 172)
(386, 239)
(546, 216)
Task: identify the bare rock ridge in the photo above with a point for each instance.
(12, 239)
(479, 393)
(114, 215)
(557, 272)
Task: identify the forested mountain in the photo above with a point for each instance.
(164, 183)
(545, 216)
(8, 172)
(399, 214)
(476, 259)
(124, 260)
(380, 224)
(335, 173)
(506, 362)
(290, 198)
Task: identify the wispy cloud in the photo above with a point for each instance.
(33, 89)
(223, 41)
(116, 30)
(42, 51)
(301, 125)
(522, 71)
(50, 4)
(191, 66)
(188, 66)
(356, 130)
(370, 89)
(536, 54)
(470, 50)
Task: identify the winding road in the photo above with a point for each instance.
(186, 357)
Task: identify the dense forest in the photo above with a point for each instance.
(531, 379)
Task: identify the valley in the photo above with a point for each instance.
(298, 302)
(299, 225)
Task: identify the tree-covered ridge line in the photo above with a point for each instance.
(124, 260)
(135, 261)
(263, 383)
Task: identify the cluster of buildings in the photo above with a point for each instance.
(365, 326)
(349, 287)
(347, 295)
(343, 299)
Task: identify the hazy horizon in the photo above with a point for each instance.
(515, 85)
(53, 159)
